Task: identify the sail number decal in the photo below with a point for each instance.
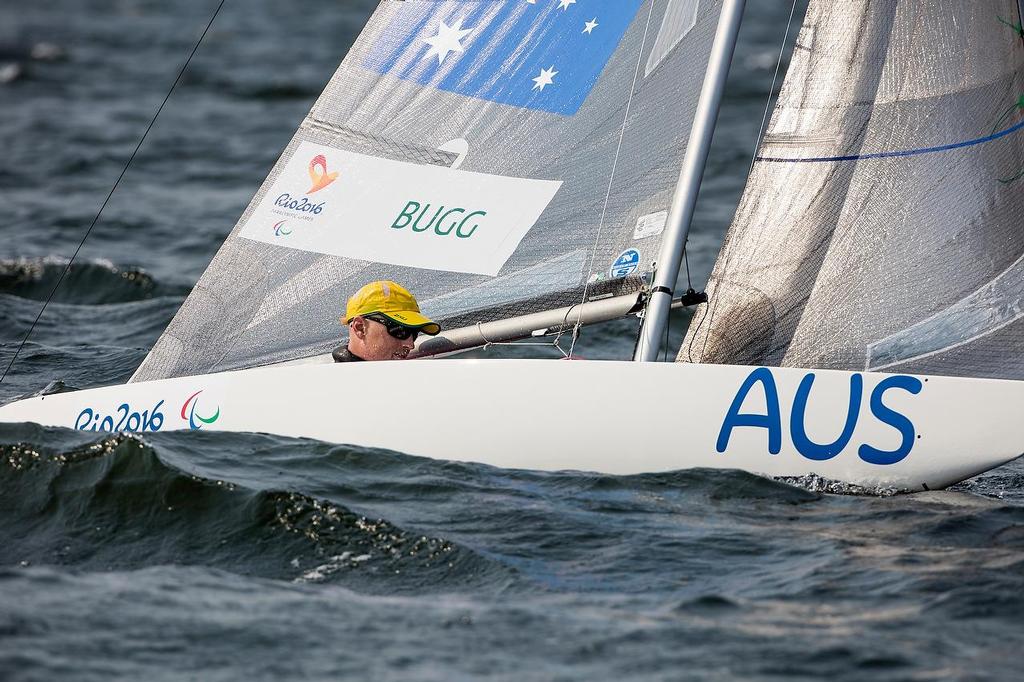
(771, 420)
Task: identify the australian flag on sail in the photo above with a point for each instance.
(536, 54)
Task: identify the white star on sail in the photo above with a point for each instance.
(447, 40)
(564, 4)
(591, 25)
(545, 78)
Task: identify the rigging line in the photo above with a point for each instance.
(712, 306)
(611, 177)
(664, 346)
(488, 343)
(900, 153)
(1019, 104)
(1020, 19)
(1016, 27)
(565, 327)
(686, 260)
(67, 267)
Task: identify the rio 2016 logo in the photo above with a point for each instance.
(125, 417)
(189, 408)
(302, 205)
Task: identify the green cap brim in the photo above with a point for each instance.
(414, 320)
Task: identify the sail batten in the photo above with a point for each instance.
(882, 223)
(494, 156)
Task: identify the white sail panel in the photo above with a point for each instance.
(680, 18)
(520, 94)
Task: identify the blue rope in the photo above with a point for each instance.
(906, 152)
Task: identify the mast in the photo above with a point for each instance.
(685, 197)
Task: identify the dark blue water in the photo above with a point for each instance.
(222, 556)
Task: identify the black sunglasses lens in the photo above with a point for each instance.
(401, 333)
(396, 330)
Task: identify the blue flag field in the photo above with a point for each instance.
(544, 55)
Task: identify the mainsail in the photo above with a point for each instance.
(881, 227)
(497, 157)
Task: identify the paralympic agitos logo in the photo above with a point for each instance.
(188, 413)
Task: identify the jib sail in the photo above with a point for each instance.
(881, 228)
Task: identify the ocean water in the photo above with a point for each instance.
(210, 556)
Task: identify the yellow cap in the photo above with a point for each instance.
(394, 302)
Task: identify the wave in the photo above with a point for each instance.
(87, 282)
(253, 85)
(820, 484)
(114, 504)
(14, 59)
(275, 91)
(379, 522)
(10, 72)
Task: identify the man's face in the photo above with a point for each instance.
(370, 340)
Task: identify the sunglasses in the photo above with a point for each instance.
(396, 330)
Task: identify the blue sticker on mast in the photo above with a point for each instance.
(545, 55)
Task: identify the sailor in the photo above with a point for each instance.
(383, 321)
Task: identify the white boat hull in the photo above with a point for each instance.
(609, 417)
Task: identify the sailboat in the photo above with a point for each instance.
(528, 167)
